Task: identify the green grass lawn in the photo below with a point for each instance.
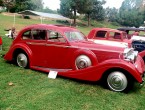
(25, 89)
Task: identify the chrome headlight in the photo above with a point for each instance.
(130, 55)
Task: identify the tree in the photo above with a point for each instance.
(112, 14)
(98, 12)
(47, 10)
(68, 8)
(1, 2)
(65, 8)
(130, 13)
(85, 7)
(8, 4)
(91, 8)
(38, 4)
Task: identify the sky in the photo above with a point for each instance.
(113, 3)
(54, 4)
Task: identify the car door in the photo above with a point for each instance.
(37, 44)
(116, 39)
(57, 51)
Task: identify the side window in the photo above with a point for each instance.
(27, 35)
(55, 37)
(114, 35)
(101, 34)
(38, 34)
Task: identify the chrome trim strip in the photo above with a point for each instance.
(35, 43)
(63, 46)
(58, 45)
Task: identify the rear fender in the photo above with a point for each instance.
(16, 48)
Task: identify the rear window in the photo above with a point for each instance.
(114, 35)
(27, 35)
(34, 34)
(39, 34)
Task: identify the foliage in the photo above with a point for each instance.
(38, 5)
(65, 8)
(111, 14)
(131, 13)
(68, 8)
(21, 5)
(98, 12)
(8, 4)
(91, 8)
(1, 3)
(47, 10)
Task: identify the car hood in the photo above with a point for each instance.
(94, 46)
(111, 43)
(138, 38)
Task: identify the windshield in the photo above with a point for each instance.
(75, 36)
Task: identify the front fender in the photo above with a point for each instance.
(88, 53)
(127, 66)
(96, 72)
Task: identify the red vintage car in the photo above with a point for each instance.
(117, 38)
(67, 51)
(109, 36)
(1, 43)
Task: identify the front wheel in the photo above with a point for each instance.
(117, 81)
(22, 60)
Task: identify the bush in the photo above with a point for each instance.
(26, 17)
(65, 22)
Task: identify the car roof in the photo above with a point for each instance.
(108, 29)
(130, 29)
(52, 26)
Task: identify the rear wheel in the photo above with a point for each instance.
(117, 81)
(22, 60)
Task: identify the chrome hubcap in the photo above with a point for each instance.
(117, 81)
(22, 60)
(83, 62)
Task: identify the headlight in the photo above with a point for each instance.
(130, 55)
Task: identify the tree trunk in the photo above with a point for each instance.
(88, 19)
(75, 13)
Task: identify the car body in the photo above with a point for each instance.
(68, 52)
(138, 41)
(110, 37)
(118, 38)
(1, 43)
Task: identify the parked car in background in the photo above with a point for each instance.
(142, 27)
(68, 52)
(131, 31)
(138, 41)
(111, 37)
(1, 43)
(117, 38)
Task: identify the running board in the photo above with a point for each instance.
(50, 69)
